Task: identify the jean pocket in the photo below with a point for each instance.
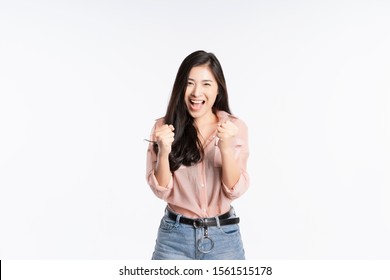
(230, 229)
(167, 225)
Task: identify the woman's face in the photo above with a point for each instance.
(201, 92)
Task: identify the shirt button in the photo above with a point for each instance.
(204, 210)
(202, 185)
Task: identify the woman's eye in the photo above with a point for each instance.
(190, 83)
(207, 84)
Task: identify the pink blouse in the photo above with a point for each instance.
(198, 191)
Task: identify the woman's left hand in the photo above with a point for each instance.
(226, 132)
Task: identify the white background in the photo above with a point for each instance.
(81, 83)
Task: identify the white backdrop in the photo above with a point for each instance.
(81, 83)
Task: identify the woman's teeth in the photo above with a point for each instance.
(197, 101)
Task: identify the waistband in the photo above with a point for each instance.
(224, 219)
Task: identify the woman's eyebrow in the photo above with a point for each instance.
(191, 79)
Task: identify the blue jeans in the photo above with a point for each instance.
(177, 241)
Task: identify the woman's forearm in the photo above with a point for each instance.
(163, 172)
(231, 171)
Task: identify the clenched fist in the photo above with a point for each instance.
(226, 132)
(164, 137)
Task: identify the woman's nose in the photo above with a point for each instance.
(197, 91)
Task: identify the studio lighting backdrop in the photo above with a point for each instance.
(81, 83)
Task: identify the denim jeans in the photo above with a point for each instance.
(177, 241)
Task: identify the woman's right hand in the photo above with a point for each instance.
(164, 137)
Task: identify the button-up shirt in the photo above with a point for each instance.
(197, 191)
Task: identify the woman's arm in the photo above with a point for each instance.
(164, 136)
(234, 153)
(231, 171)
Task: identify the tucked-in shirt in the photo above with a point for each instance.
(197, 191)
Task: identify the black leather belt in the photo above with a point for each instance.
(206, 222)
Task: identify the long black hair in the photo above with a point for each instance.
(186, 147)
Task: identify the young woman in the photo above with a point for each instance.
(196, 162)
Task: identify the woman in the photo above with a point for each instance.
(196, 162)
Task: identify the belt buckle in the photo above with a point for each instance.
(198, 223)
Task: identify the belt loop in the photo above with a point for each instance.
(217, 220)
(233, 211)
(178, 218)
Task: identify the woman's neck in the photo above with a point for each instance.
(205, 121)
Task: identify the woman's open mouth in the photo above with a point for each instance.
(196, 104)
